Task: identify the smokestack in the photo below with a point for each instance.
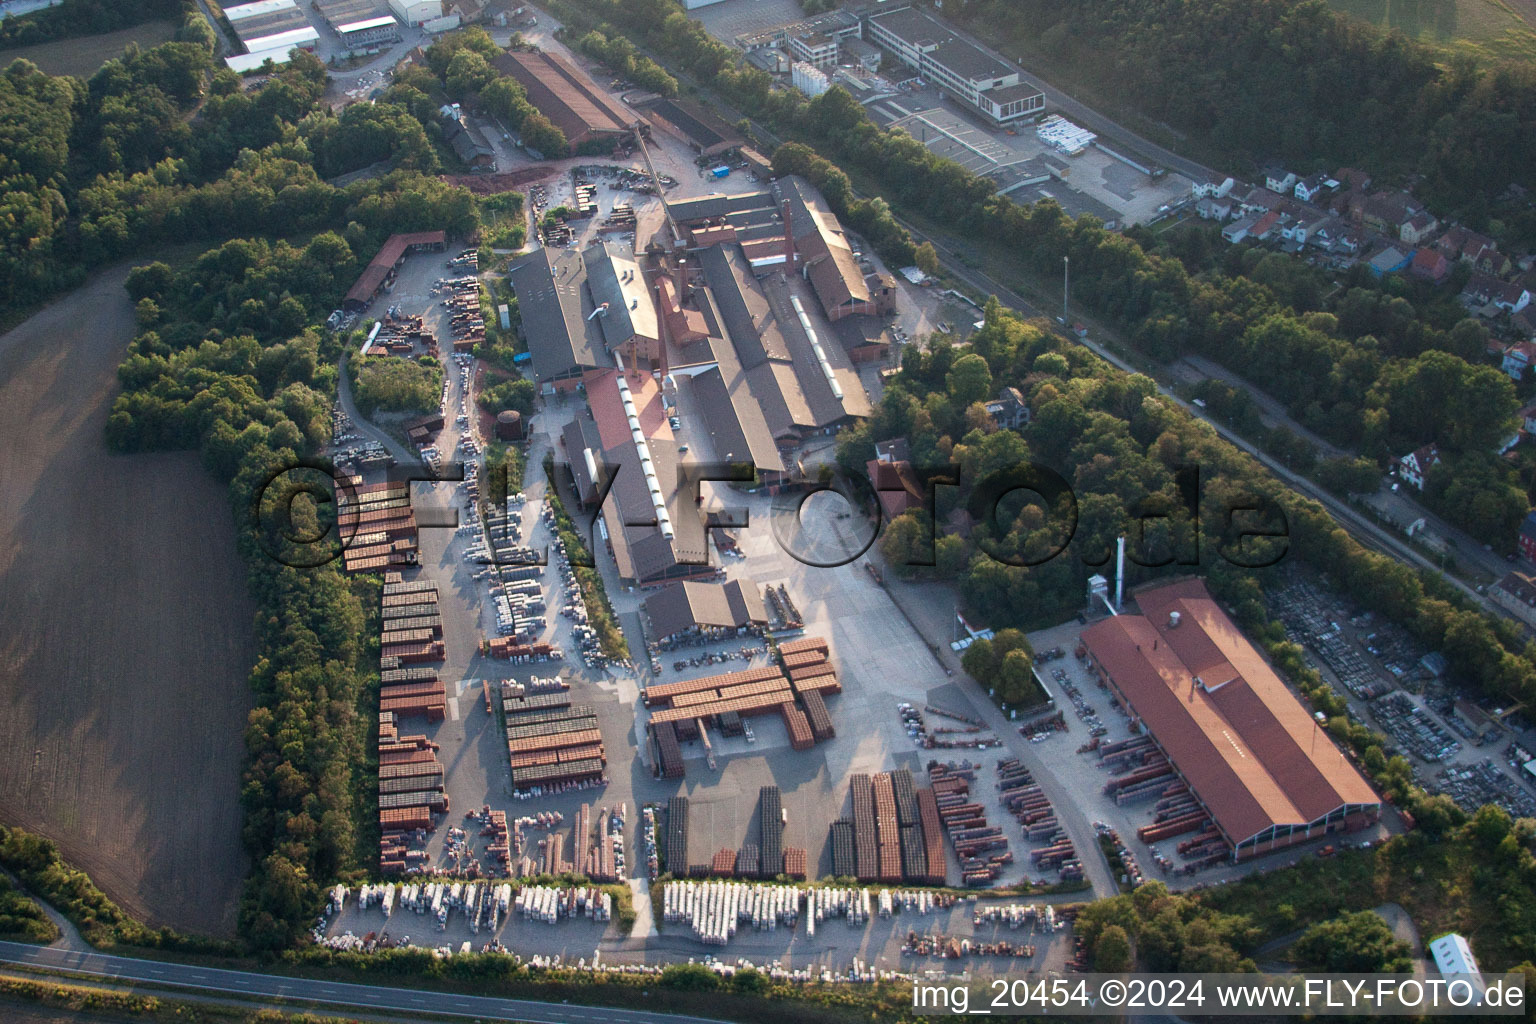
(1119, 573)
(789, 238)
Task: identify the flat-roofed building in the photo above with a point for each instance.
(567, 96)
(272, 25)
(373, 31)
(955, 65)
(417, 13)
(1267, 773)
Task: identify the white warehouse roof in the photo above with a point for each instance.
(284, 41)
(360, 26)
(248, 62)
(259, 7)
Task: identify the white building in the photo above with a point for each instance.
(814, 48)
(809, 80)
(959, 68)
(694, 5)
(370, 31)
(417, 13)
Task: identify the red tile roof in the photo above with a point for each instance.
(1231, 727)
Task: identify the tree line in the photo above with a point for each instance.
(74, 18)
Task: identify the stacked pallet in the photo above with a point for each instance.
(844, 863)
(865, 842)
(821, 719)
(749, 862)
(794, 862)
(906, 797)
(724, 863)
(554, 853)
(507, 647)
(581, 838)
(798, 727)
(549, 741)
(395, 655)
(377, 525)
(387, 730)
(808, 664)
(933, 836)
(500, 844)
(675, 848)
(750, 691)
(669, 755)
(981, 847)
(771, 826)
(886, 829)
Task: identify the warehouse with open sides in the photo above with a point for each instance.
(1264, 774)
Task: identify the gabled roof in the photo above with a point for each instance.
(618, 286)
(1242, 740)
(552, 299)
(679, 607)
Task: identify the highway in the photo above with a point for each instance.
(249, 984)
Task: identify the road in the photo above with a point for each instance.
(248, 984)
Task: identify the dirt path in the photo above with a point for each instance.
(126, 638)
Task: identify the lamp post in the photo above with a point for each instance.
(1065, 283)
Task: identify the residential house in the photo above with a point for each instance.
(1430, 265)
(1518, 358)
(890, 471)
(1527, 538)
(1278, 179)
(1264, 226)
(1516, 592)
(1214, 209)
(1238, 229)
(1413, 467)
(1482, 290)
(1388, 261)
(1008, 410)
(1386, 213)
(1525, 321)
(1212, 189)
(1312, 186)
(1353, 180)
(1418, 228)
(1467, 246)
(1261, 200)
(1335, 234)
(1305, 226)
(1527, 417)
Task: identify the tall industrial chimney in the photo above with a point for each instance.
(1119, 573)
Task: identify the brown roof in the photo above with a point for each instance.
(681, 606)
(565, 94)
(1231, 727)
(372, 277)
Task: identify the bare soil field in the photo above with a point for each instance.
(82, 56)
(127, 630)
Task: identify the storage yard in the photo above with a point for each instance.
(119, 739)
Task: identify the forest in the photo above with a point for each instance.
(226, 362)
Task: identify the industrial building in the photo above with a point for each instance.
(958, 67)
(417, 13)
(704, 609)
(277, 26)
(580, 309)
(380, 272)
(624, 441)
(1261, 767)
(359, 24)
(697, 126)
(567, 96)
